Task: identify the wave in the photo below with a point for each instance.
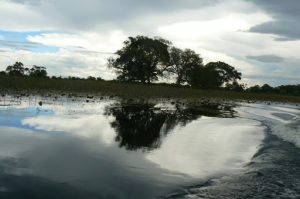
(283, 121)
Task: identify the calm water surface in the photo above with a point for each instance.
(115, 149)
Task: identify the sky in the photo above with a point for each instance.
(75, 38)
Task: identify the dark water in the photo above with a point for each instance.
(115, 149)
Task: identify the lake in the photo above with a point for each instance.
(112, 148)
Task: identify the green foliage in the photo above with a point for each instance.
(176, 64)
(71, 78)
(91, 78)
(189, 69)
(38, 71)
(186, 65)
(254, 89)
(288, 90)
(142, 59)
(16, 70)
(266, 88)
(281, 90)
(55, 77)
(29, 85)
(235, 86)
(2, 73)
(216, 74)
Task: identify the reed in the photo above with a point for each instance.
(27, 84)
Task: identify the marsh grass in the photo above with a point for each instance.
(26, 84)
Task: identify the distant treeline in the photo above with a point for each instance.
(281, 90)
(18, 70)
(144, 60)
(39, 72)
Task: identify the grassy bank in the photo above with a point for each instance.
(25, 84)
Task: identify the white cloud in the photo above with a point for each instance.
(19, 17)
(64, 62)
(78, 55)
(225, 39)
(215, 39)
(109, 41)
(88, 29)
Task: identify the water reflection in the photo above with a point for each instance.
(38, 165)
(203, 148)
(143, 126)
(120, 150)
(17, 185)
(85, 126)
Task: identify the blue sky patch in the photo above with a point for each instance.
(18, 41)
(13, 117)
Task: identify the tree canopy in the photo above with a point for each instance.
(282, 90)
(216, 74)
(38, 71)
(186, 65)
(16, 70)
(189, 69)
(142, 59)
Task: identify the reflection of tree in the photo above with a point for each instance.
(143, 126)
(137, 126)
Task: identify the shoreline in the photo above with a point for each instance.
(97, 97)
(33, 86)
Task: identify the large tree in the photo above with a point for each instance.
(193, 65)
(216, 74)
(186, 65)
(142, 59)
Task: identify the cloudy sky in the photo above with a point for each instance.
(260, 38)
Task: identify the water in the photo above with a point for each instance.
(103, 148)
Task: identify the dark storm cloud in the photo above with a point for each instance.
(267, 58)
(286, 17)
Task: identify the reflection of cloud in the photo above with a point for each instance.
(209, 146)
(89, 126)
(16, 140)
